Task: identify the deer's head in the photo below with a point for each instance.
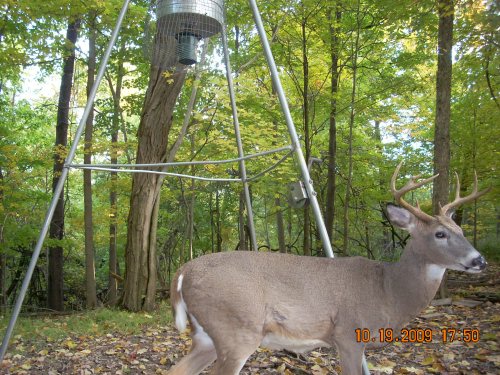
(437, 238)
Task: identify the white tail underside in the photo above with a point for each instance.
(180, 309)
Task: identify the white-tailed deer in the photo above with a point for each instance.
(238, 301)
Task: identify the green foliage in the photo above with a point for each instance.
(489, 247)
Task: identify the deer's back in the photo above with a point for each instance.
(253, 278)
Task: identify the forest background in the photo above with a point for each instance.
(360, 78)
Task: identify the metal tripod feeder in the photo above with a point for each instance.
(188, 21)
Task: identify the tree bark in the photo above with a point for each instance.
(443, 110)
(386, 243)
(307, 140)
(218, 225)
(242, 242)
(332, 132)
(113, 226)
(347, 200)
(113, 223)
(56, 232)
(90, 283)
(3, 258)
(280, 225)
(154, 128)
(242, 238)
(192, 201)
(443, 104)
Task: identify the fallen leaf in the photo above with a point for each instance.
(493, 358)
(428, 361)
(413, 370)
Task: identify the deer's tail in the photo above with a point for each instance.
(179, 308)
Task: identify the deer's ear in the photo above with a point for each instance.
(400, 217)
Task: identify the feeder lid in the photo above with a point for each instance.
(202, 18)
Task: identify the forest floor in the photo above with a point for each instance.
(157, 346)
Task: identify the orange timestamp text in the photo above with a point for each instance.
(417, 335)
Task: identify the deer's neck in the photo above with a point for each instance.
(412, 284)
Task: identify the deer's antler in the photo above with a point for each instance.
(411, 185)
(458, 201)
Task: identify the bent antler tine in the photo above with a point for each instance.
(458, 201)
(425, 181)
(410, 185)
(457, 193)
(393, 179)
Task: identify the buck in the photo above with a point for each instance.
(238, 301)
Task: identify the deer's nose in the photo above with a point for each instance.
(479, 263)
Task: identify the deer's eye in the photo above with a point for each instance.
(440, 234)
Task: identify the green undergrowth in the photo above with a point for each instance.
(87, 323)
(489, 248)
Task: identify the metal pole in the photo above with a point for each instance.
(293, 133)
(243, 171)
(295, 141)
(60, 185)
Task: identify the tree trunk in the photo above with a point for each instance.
(113, 223)
(332, 133)
(386, 243)
(280, 225)
(443, 108)
(154, 128)
(113, 227)
(307, 140)
(347, 200)
(90, 286)
(242, 243)
(443, 104)
(218, 224)
(56, 232)
(3, 258)
(192, 200)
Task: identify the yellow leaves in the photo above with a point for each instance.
(69, 344)
(142, 351)
(385, 366)
(281, 369)
(61, 152)
(428, 361)
(168, 75)
(434, 364)
(26, 366)
(412, 370)
(495, 319)
(318, 370)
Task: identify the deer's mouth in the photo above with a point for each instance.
(470, 269)
(473, 269)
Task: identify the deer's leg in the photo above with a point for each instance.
(351, 357)
(201, 355)
(232, 354)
